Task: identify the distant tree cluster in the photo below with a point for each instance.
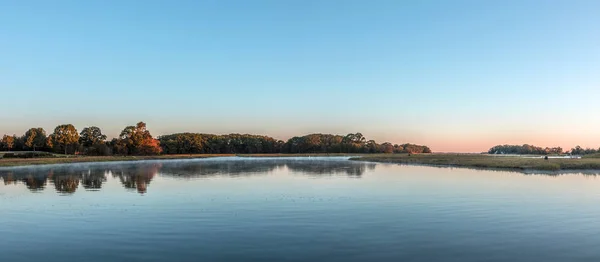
(134, 140)
(583, 151)
(191, 143)
(137, 140)
(535, 150)
(524, 150)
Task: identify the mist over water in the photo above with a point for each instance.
(294, 209)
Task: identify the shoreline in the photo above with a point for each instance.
(441, 160)
(25, 162)
(489, 162)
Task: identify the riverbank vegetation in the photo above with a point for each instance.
(195, 143)
(64, 159)
(536, 150)
(487, 161)
(133, 140)
(137, 141)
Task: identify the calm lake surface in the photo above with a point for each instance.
(294, 209)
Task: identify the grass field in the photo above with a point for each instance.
(455, 160)
(63, 159)
(486, 161)
(301, 155)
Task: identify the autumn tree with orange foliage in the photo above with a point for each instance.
(137, 140)
(8, 142)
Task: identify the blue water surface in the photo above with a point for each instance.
(294, 209)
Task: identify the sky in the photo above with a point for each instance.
(458, 76)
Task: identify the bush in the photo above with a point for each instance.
(28, 155)
(35, 155)
(97, 150)
(9, 155)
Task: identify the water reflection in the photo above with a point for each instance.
(137, 176)
(219, 168)
(34, 183)
(330, 168)
(66, 184)
(93, 179)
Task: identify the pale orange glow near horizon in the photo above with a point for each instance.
(440, 136)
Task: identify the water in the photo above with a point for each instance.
(318, 209)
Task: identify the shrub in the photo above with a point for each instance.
(28, 155)
(9, 155)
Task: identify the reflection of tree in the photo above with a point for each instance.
(257, 166)
(35, 183)
(9, 178)
(93, 179)
(330, 167)
(66, 183)
(137, 176)
(216, 168)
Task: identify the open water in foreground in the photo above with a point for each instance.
(294, 209)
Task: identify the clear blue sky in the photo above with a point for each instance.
(455, 75)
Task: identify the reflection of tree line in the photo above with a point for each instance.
(67, 181)
(218, 168)
(237, 168)
(63, 183)
(353, 169)
(138, 176)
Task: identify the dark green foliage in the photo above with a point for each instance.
(90, 136)
(137, 140)
(581, 151)
(93, 142)
(28, 155)
(9, 155)
(35, 138)
(535, 150)
(97, 150)
(190, 143)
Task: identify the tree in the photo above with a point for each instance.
(66, 183)
(93, 142)
(426, 150)
(91, 136)
(35, 137)
(388, 148)
(8, 142)
(137, 140)
(65, 136)
(371, 147)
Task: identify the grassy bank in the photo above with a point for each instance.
(61, 159)
(486, 161)
(457, 160)
(300, 155)
(64, 159)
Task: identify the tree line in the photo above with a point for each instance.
(133, 140)
(536, 150)
(138, 177)
(137, 140)
(195, 143)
